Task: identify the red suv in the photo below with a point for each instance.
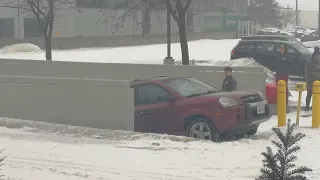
(190, 107)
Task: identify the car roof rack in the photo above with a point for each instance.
(139, 80)
(136, 80)
(160, 77)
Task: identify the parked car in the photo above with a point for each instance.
(268, 31)
(288, 34)
(273, 37)
(299, 28)
(273, 31)
(298, 31)
(311, 36)
(190, 107)
(312, 44)
(264, 52)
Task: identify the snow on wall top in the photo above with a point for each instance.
(24, 47)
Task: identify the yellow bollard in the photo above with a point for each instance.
(315, 104)
(300, 87)
(282, 103)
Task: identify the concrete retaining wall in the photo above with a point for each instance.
(83, 94)
(249, 78)
(105, 104)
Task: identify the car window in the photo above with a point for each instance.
(264, 48)
(292, 51)
(189, 87)
(246, 47)
(150, 94)
(301, 48)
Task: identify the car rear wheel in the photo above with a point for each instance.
(252, 131)
(201, 128)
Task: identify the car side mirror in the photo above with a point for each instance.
(172, 98)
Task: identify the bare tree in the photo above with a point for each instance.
(45, 12)
(178, 10)
(287, 17)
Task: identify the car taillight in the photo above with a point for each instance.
(232, 52)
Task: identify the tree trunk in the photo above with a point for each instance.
(183, 39)
(48, 38)
(47, 42)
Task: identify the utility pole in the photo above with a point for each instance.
(319, 18)
(297, 17)
(19, 19)
(168, 59)
(250, 12)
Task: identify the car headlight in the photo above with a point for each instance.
(227, 102)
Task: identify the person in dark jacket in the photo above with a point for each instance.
(312, 71)
(229, 83)
(283, 65)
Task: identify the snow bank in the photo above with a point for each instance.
(24, 47)
(77, 131)
(148, 54)
(243, 62)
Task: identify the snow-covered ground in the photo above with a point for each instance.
(40, 151)
(148, 54)
(54, 152)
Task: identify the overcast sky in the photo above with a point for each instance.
(303, 4)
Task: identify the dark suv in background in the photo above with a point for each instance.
(313, 36)
(273, 37)
(264, 52)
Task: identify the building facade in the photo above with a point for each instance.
(100, 18)
(309, 18)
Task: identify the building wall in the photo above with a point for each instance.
(101, 22)
(309, 18)
(93, 22)
(12, 14)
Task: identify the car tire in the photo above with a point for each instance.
(252, 131)
(194, 131)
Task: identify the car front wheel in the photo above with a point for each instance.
(202, 129)
(252, 131)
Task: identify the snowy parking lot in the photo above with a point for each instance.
(51, 152)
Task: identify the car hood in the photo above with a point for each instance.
(233, 94)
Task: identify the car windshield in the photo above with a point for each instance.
(296, 41)
(190, 87)
(300, 47)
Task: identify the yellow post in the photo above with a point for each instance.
(315, 104)
(282, 103)
(300, 87)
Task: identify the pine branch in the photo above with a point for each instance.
(1, 163)
(300, 170)
(270, 169)
(279, 165)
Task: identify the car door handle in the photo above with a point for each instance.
(141, 113)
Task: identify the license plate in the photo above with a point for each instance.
(261, 109)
